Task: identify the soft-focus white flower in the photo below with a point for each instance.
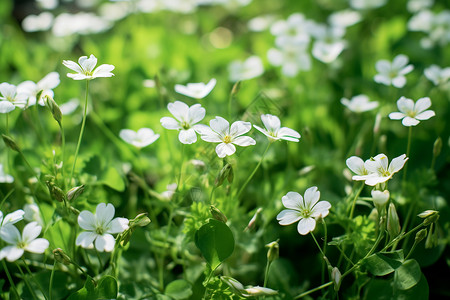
(412, 113)
(196, 90)
(366, 4)
(418, 5)
(393, 73)
(85, 68)
(46, 85)
(41, 22)
(171, 188)
(437, 75)
(380, 171)
(5, 178)
(294, 28)
(100, 227)
(186, 119)
(359, 103)
(20, 242)
(70, 106)
(344, 18)
(435, 25)
(242, 70)
(32, 213)
(291, 55)
(142, 138)
(11, 98)
(357, 166)
(305, 210)
(261, 23)
(274, 131)
(220, 131)
(48, 4)
(329, 43)
(67, 24)
(11, 218)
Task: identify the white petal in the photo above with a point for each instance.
(118, 225)
(397, 163)
(288, 134)
(196, 113)
(408, 121)
(399, 61)
(10, 234)
(321, 209)
(179, 110)
(31, 231)
(383, 79)
(396, 116)
(244, 141)
(220, 125)
(12, 253)
(356, 164)
(405, 105)
(406, 70)
(207, 134)
(72, 65)
(271, 122)
(293, 200)
(6, 107)
(374, 180)
(399, 81)
(170, 123)
(88, 64)
(105, 242)
(37, 246)
(128, 135)
(78, 76)
(383, 66)
(13, 217)
(187, 136)
(104, 213)
(103, 71)
(86, 220)
(425, 115)
(311, 197)
(85, 239)
(422, 104)
(181, 89)
(239, 128)
(288, 216)
(49, 82)
(305, 226)
(223, 149)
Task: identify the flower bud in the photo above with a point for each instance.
(421, 235)
(141, 220)
(9, 142)
(393, 223)
(380, 199)
(74, 210)
(437, 147)
(235, 285)
(61, 256)
(125, 237)
(55, 192)
(217, 214)
(431, 219)
(255, 291)
(432, 238)
(236, 88)
(74, 192)
(274, 251)
(336, 277)
(254, 219)
(427, 213)
(54, 108)
(225, 173)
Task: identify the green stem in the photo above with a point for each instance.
(266, 275)
(11, 282)
(99, 260)
(34, 279)
(32, 171)
(402, 236)
(83, 123)
(254, 171)
(63, 150)
(50, 286)
(354, 200)
(181, 168)
(314, 290)
(6, 197)
(408, 148)
(33, 294)
(411, 251)
(320, 249)
(207, 281)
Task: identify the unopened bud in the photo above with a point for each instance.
(225, 173)
(427, 213)
(125, 237)
(217, 214)
(437, 147)
(55, 192)
(274, 251)
(9, 142)
(432, 238)
(61, 256)
(380, 199)
(431, 219)
(74, 210)
(254, 219)
(336, 277)
(141, 220)
(74, 192)
(236, 88)
(255, 291)
(235, 285)
(421, 235)
(393, 222)
(54, 108)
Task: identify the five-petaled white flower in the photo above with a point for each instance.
(378, 168)
(20, 242)
(186, 119)
(274, 131)
(220, 131)
(46, 85)
(411, 114)
(437, 75)
(142, 138)
(305, 209)
(356, 164)
(196, 90)
(85, 68)
(11, 98)
(242, 70)
(100, 227)
(393, 73)
(359, 103)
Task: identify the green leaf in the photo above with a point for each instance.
(216, 242)
(418, 292)
(112, 178)
(379, 289)
(380, 264)
(407, 275)
(88, 292)
(179, 289)
(107, 288)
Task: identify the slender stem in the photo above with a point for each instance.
(402, 236)
(207, 281)
(314, 290)
(34, 279)
(254, 171)
(11, 282)
(318, 246)
(411, 251)
(266, 275)
(83, 123)
(32, 170)
(99, 260)
(354, 200)
(63, 150)
(6, 197)
(50, 286)
(27, 283)
(7, 124)
(181, 168)
(408, 148)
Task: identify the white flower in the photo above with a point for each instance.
(295, 28)
(221, 132)
(142, 138)
(359, 103)
(344, 18)
(273, 131)
(411, 114)
(380, 198)
(291, 55)
(41, 22)
(242, 70)
(85, 69)
(418, 5)
(329, 43)
(11, 98)
(305, 209)
(196, 90)
(171, 188)
(393, 73)
(380, 171)
(185, 120)
(437, 75)
(5, 178)
(366, 4)
(19, 243)
(46, 85)
(11, 218)
(32, 213)
(356, 164)
(99, 228)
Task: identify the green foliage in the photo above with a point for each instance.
(106, 288)
(179, 289)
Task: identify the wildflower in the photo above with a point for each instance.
(142, 138)
(242, 70)
(291, 55)
(437, 75)
(294, 28)
(380, 171)
(380, 199)
(329, 43)
(356, 164)
(393, 73)
(273, 131)
(411, 114)
(11, 98)
(11, 218)
(419, 5)
(41, 22)
(46, 85)
(100, 227)
(168, 194)
(306, 209)
(185, 120)
(434, 24)
(32, 213)
(20, 242)
(359, 103)
(221, 132)
(344, 18)
(366, 4)
(5, 178)
(196, 90)
(85, 69)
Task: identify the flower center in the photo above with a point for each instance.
(306, 213)
(227, 139)
(21, 245)
(185, 125)
(99, 230)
